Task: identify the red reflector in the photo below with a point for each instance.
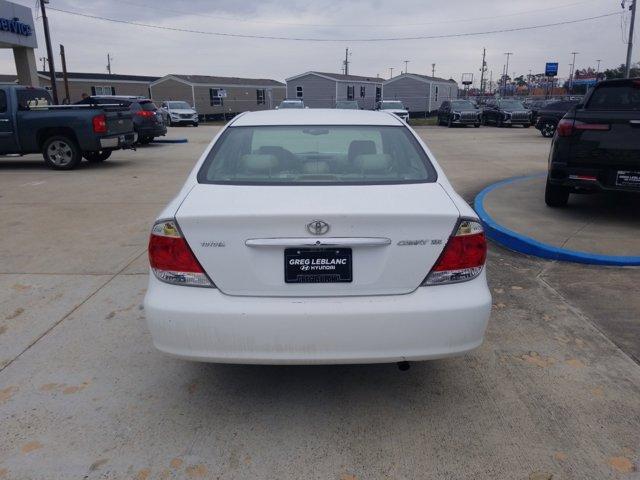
(592, 126)
(172, 254)
(100, 123)
(592, 178)
(145, 113)
(464, 251)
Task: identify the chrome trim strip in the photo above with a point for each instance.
(317, 242)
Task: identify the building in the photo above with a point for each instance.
(322, 90)
(420, 94)
(98, 84)
(219, 97)
(18, 33)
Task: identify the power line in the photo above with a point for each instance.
(311, 39)
(292, 24)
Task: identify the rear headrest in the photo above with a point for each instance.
(258, 163)
(372, 163)
(360, 147)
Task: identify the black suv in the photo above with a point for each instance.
(549, 116)
(147, 120)
(458, 112)
(596, 146)
(504, 112)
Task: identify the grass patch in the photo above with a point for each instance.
(421, 122)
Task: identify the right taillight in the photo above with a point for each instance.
(99, 123)
(565, 128)
(462, 258)
(171, 259)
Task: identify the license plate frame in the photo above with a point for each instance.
(318, 265)
(630, 178)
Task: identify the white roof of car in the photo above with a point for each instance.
(315, 116)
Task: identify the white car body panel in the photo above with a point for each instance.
(253, 317)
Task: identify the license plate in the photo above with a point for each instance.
(628, 178)
(317, 265)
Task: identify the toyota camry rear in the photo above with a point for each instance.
(317, 236)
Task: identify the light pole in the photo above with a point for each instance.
(406, 66)
(598, 70)
(506, 71)
(573, 68)
(47, 39)
(433, 69)
(627, 68)
(390, 72)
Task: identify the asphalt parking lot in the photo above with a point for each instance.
(554, 392)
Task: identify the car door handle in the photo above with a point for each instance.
(316, 242)
(4, 120)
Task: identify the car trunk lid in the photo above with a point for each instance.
(395, 234)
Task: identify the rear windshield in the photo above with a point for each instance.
(148, 105)
(512, 104)
(392, 106)
(463, 104)
(33, 98)
(328, 155)
(183, 105)
(616, 96)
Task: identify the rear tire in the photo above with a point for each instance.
(449, 124)
(556, 196)
(145, 140)
(61, 153)
(476, 125)
(97, 157)
(195, 124)
(526, 125)
(548, 129)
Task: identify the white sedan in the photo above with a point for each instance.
(317, 236)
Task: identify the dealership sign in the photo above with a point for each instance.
(15, 26)
(551, 69)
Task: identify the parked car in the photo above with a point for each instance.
(30, 123)
(596, 146)
(304, 259)
(504, 112)
(536, 105)
(458, 112)
(549, 116)
(147, 121)
(394, 106)
(176, 112)
(347, 105)
(295, 103)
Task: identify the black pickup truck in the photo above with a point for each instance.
(596, 146)
(29, 123)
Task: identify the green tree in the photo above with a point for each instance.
(612, 73)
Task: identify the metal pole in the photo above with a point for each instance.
(47, 38)
(390, 72)
(573, 69)
(627, 68)
(63, 58)
(482, 70)
(506, 72)
(433, 69)
(346, 61)
(406, 66)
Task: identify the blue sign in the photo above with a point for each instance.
(15, 26)
(551, 69)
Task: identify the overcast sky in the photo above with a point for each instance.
(148, 51)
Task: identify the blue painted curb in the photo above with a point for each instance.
(171, 140)
(523, 244)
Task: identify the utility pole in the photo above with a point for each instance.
(406, 66)
(506, 71)
(627, 68)
(390, 72)
(483, 69)
(63, 59)
(109, 63)
(44, 63)
(598, 70)
(573, 69)
(433, 69)
(491, 82)
(47, 38)
(346, 61)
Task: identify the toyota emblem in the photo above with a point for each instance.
(317, 227)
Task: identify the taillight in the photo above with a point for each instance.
(565, 128)
(100, 123)
(462, 258)
(146, 113)
(171, 259)
(601, 127)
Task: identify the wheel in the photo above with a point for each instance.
(195, 124)
(145, 139)
(499, 123)
(556, 195)
(169, 122)
(476, 125)
(526, 125)
(97, 157)
(449, 124)
(61, 153)
(548, 129)
(483, 121)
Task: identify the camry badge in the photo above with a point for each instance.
(317, 227)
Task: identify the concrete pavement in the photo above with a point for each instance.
(554, 392)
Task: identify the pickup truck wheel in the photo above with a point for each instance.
(548, 129)
(61, 153)
(97, 157)
(556, 195)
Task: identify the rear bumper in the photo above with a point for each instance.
(158, 130)
(605, 178)
(115, 142)
(204, 324)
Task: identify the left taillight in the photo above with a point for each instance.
(462, 258)
(171, 259)
(100, 123)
